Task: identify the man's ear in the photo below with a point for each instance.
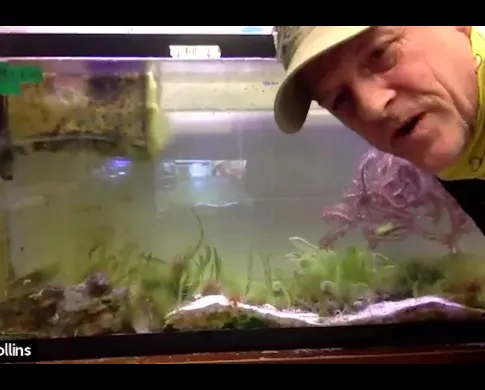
(467, 30)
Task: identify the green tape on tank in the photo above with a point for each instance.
(13, 76)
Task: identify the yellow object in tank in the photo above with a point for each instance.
(158, 130)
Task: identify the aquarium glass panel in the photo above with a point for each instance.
(154, 196)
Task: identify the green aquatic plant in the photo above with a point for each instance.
(419, 276)
(334, 280)
(156, 285)
(464, 279)
(459, 277)
(327, 282)
(166, 284)
(270, 290)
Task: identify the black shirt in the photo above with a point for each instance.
(470, 194)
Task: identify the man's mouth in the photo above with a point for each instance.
(408, 127)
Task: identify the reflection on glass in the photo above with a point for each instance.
(114, 169)
(194, 183)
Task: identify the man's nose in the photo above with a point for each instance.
(372, 99)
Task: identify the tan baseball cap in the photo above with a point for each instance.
(296, 46)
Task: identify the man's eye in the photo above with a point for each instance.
(383, 58)
(340, 99)
(378, 54)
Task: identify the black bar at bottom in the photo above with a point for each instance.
(176, 343)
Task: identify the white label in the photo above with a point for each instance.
(13, 350)
(195, 52)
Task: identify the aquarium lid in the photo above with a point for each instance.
(140, 45)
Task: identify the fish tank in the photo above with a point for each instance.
(150, 205)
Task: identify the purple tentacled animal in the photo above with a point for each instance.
(391, 191)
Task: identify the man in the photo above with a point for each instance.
(417, 92)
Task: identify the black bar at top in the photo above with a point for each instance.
(130, 45)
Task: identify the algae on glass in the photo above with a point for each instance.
(83, 115)
(111, 107)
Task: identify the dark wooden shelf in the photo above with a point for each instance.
(436, 355)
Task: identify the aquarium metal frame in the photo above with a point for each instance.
(424, 334)
(130, 45)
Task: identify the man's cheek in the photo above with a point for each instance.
(378, 140)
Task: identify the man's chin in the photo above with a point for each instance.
(435, 163)
(437, 155)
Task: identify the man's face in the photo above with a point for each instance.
(408, 90)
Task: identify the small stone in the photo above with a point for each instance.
(97, 285)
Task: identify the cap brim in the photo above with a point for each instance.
(292, 101)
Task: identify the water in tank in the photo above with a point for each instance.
(145, 196)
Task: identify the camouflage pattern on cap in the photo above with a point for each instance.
(287, 40)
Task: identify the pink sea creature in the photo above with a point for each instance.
(391, 199)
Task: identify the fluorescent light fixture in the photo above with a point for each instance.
(224, 30)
